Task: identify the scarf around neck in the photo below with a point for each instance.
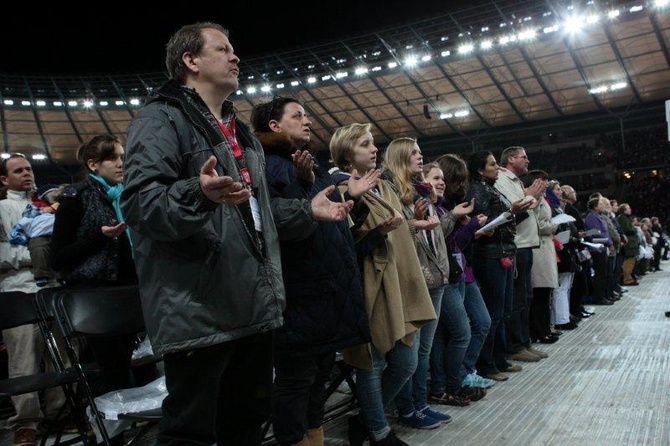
(114, 195)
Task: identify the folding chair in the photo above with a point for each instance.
(19, 309)
(101, 311)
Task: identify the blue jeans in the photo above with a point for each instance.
(376, 388)
(452, 338)
(518, 334)
(414, 394)
(497, 287)
(480, 323)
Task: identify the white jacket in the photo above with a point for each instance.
(16, 273)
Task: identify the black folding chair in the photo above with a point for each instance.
(101, 311)
(19, 309)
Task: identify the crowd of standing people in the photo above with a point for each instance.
(256, 266)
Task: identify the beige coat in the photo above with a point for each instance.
(396, 297)
(544, 273)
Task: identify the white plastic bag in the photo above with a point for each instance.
(135, 399)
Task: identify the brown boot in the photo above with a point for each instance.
(315, 436)
(304, 442)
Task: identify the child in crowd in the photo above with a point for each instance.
(35, 228)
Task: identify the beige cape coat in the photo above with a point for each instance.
(396, 297)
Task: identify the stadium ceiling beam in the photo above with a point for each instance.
(659, 36)
(61, 97)
(449, 79)
(429, 101)
(38, 123)
(581, 72)
(351, 98)
(617, 55)
(123, 96)
(538, 78)
(394, 103)
(87, 85)
(531, 67)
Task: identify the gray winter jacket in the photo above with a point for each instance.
(205, 276)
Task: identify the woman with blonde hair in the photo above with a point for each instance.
(396, 296)
(403, 165)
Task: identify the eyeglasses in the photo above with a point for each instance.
(521, 156)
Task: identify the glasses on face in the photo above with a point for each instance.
(521, 156)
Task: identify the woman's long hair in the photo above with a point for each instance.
(397, 161)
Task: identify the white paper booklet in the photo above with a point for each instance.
(499, 220)
(562, 218)
(563, 236)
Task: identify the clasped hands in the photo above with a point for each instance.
(223, 189)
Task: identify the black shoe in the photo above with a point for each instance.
(389, 440)
(547, 339)
(603, 302)
(568, 326)
(667, 314)
(472, 393)
(358, 431)
(585, 314)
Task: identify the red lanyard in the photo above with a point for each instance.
(237, 151)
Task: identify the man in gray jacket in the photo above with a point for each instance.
(206, 244)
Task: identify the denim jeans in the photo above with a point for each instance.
(414, 394)
(452, 338)
(480, 323)
(376, 388)
(497, 287)
(518, 335)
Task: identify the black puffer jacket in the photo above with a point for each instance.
(325, 309)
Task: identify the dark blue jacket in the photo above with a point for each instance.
(325, 308)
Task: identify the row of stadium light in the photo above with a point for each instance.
(575, 23)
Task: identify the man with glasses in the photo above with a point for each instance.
(515, 164)
(25, 345)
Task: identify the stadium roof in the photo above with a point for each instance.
(463, 75)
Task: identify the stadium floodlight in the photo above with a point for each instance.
(266, 89)
(360, 71)
(466, 48)
(39, 157)
(573, 24)
(411, 61)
